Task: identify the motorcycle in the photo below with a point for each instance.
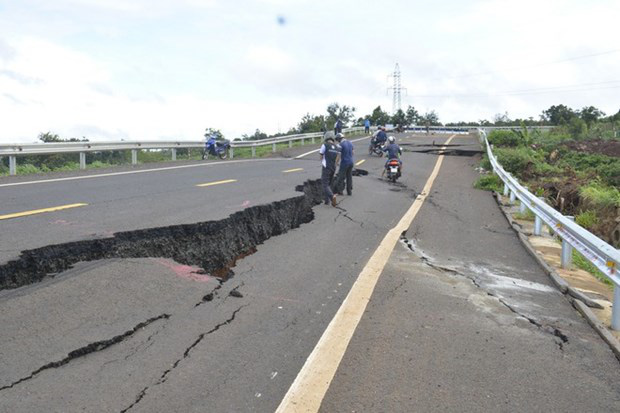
(375, 148)
(393, 169)
(220, 150)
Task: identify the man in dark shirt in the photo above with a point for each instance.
(346, 165)
(393, 152)
(329, 158)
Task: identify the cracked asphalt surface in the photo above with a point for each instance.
(462, 319)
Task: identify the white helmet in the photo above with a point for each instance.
(391, 139)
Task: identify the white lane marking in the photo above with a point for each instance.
(307, 391)
(316, 150)
(44, 181)
(360, 162)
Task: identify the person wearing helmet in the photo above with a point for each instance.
(393, 152)
(329, 159)
(346, 166)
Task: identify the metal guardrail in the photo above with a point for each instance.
(17, 149)
(602, 255)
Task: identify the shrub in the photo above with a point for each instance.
(517, 160)
(587, 219)
(601, 196)
(504, 138)
(27, 168)
(489, 182)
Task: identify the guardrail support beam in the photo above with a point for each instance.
(273, 148)
(313, 140)
(290, 144)
(12, 165)
(253, 151)
(522, 207)
(567, 251)
(174, 154)
(231, 152)
(513, 196)
(82, 160)
(537, 225)
(134, 156)
(506, 190)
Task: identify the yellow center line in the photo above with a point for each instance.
(360, 162)
(307, 391)
(226, 181)
(39, 211)
(293, 170)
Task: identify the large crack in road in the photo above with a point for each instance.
(541, 326)
(215, 246)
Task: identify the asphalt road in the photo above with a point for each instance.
(464, 321)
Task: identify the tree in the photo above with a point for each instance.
(379, 117)
(412, 116)
(399, 118)
(502, 119)
(558, 115)
(311, 123)
(52, 137)
(431, 119)
(210, 131)
(257, 135)
(344, 113)
(590, 114)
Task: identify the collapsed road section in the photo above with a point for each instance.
(212, 245)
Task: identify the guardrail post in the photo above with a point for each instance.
(615, 310)
(313, 140)
(12, 165)
(513, 196)
(290, 144)
(273, 147)
(522, 207)
(174, 154)
(134, 156)
(232, 152)
(567, 251)
(82, 160)
(538, 222)
(303, 141)
(506, 190)
(253, 151)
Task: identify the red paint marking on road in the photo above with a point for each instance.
(185, 271)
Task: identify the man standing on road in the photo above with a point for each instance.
(329, 158)
(346, 165)
(338, 127)
(367, 126)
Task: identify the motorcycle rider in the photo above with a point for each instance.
(379, 138)
(393, 152)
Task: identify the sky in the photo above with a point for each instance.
(109, 70)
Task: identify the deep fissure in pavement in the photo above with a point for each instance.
(215, 246)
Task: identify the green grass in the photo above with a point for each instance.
(526, 216)
(600, 195)
(581, 262)
(489, 182)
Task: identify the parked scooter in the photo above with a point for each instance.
(393, 169)
(219, 149)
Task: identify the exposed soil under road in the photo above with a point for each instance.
(215, 246)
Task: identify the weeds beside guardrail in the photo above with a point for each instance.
(602, 255)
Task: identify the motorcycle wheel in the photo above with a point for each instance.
(222, 155)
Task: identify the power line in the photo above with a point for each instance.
(551, 89)
(512, 69)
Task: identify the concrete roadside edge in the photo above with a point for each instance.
(579, 300)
